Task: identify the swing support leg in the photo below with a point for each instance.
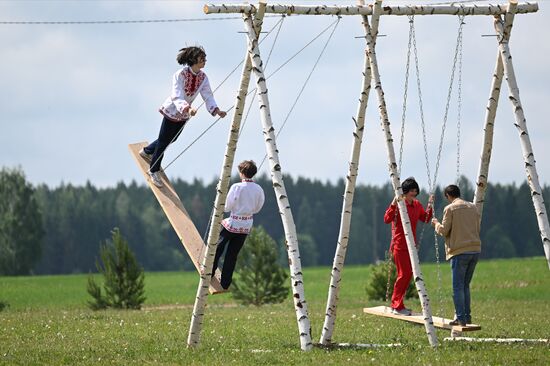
(296, 277)
(487, 147)
(347, 205)
(521, 125)
(195, 328)
(418, 277)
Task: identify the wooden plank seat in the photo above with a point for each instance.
(419, 318)
(178, 216)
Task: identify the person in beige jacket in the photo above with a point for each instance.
(460, 227)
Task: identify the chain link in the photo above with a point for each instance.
(449, 93)
(432, 183)
(389, 254)
(405, 93)
(459, 107)
(389, 266)
(458, 50)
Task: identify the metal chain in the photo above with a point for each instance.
(405, 93)
(389, 254)
(389, 266)
(423, 124)
(449, 93)
(436, 239)
(459, 113)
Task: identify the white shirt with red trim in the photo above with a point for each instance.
(243, 201)
(186, 85)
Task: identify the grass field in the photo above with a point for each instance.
(47, 322)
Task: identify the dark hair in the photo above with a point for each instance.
(408, 184)
(248, 168)
(190, 55)
(452, 191)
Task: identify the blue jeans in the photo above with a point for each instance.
(462, 269)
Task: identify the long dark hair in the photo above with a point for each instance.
(190, 55)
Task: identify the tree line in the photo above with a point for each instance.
(58, 230)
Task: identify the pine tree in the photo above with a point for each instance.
(377, 283)
(21, 227)
(123, 277)
(259, 278)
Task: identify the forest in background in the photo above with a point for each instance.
(76, 219)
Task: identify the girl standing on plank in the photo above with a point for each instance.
(187, 83)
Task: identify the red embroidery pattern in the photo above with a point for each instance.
(191, 81)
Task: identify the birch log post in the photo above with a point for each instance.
(394, 176)
(487, 146)
(347, 206)
(195, 328)
(296, 277)
(521, 125)
(451, 9)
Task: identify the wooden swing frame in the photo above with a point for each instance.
(253, 19)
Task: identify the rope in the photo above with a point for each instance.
(266, 63)
(202, 103)
(255, 89)
(250, 92)
(304, 84)
(246, 117)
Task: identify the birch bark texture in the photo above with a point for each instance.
(452, 9)
(521, 126)
(195, 328)
(487, 146)
(394, 176)
(296, 276)
(347, 206)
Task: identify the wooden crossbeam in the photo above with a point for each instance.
(177, 215)
(418, 318)
(450, 9)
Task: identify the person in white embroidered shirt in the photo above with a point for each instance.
(243, 200)
(187, 83)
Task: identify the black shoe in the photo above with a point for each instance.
(469, 320)
(458, 322)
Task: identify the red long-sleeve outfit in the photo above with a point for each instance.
(399, 246)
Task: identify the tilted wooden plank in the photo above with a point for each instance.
(177, 215)
(418, 318)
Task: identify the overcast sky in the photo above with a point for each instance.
(73, 96)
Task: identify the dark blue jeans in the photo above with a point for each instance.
(462, 269)
(169, 132)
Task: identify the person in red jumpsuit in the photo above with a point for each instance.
(398, 245)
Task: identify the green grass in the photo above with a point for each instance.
(47, 322)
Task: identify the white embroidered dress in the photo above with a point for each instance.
(243, 201)
(186, 85)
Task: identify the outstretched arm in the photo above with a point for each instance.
(208, 97)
